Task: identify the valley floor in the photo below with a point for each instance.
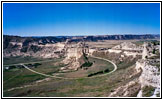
(33, 84)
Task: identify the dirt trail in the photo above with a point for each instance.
(46, 75)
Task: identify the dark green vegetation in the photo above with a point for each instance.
(148, 91)
(86, 63)
(99, 72)
(35, 65)
(155, 42)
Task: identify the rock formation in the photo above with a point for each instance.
(74, 52)
(128, 90)
(149, 77)
(37, 46)
(127, 46)
(150, 68)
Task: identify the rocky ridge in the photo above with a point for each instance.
(149, 78)
(46, 47)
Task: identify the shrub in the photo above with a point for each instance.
(154, 51)
(99, 72)
(87, 64)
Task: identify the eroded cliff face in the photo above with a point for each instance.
(47, 47)
(148, 83)
(35, 50)
(150, 76)
(74, 53)
(44, 47)
(128, 90)
(128, 49)
(150, 73)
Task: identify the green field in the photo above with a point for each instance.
(89, 87)
(19, 59)
(18, 77)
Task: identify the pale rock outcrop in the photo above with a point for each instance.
(127, 46)
(91, 51)
(74, 52)
(114, 51)
(126, 90)
(129, 53)
(36, 50)
(150, 75)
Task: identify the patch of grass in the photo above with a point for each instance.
(125, 65)
(19, 77)
(20, 59)
(148, 91)
(89, 87)
(23, 77)
(138, 43)
(48, 67)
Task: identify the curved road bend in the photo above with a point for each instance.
(115, 68)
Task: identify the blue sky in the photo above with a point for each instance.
(57, 19)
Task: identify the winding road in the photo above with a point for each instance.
(46, 75)
(115, 66)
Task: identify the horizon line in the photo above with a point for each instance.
(77, 35)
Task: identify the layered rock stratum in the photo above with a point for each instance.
(46, 47)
